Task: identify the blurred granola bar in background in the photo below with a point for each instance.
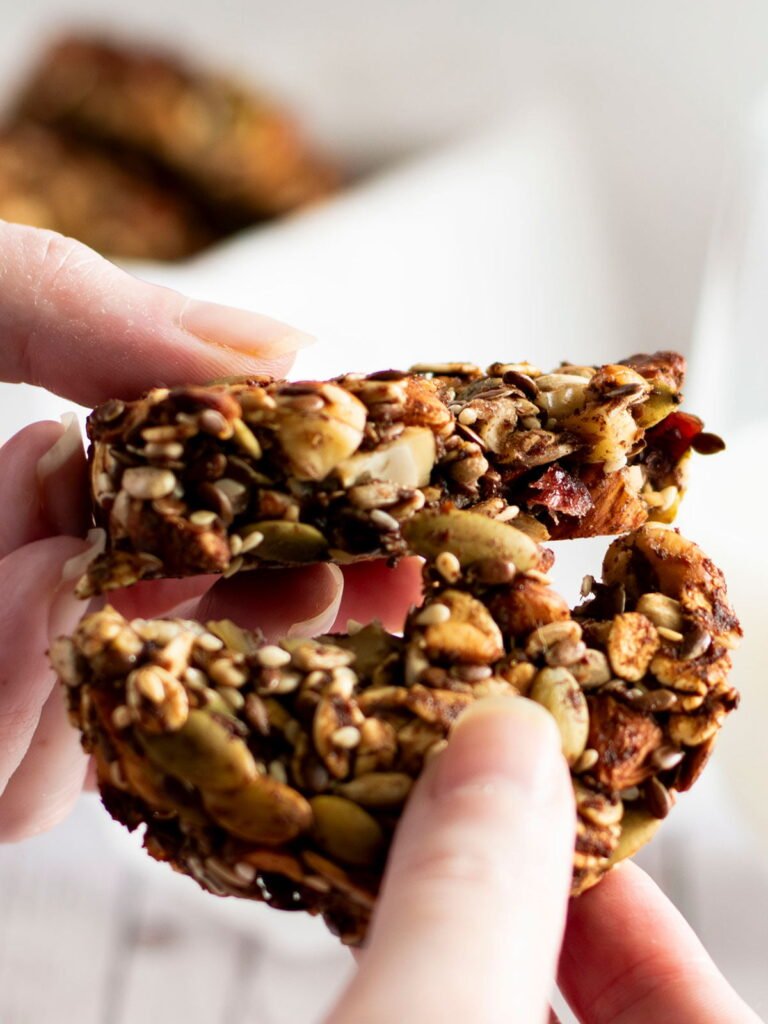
(49, 181)
(142, 156)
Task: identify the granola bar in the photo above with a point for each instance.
(262, 472)
(50, 181)
(242, 157)
(277, 772)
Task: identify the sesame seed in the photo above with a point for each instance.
(433, 615)
(669, 634)
(448, 565)
(272, 656)
(347, 737)
(384, 520)
(121, 717)
(251, 541)
(203, 517)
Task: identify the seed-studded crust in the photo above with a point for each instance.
(277, 772)
(240, 156)
(216, 479)
(50, 181)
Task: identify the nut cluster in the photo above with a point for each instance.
(229, 477)
(277, 772)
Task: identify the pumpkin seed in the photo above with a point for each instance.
(346, 831)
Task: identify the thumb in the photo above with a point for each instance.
(472, 911)
(77, 325)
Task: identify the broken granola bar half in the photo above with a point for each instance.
(262, 472)
(277, 772)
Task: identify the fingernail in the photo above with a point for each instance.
(325, 618)
(68, 445)
(65, 609)
(241, 330)
(74, 567)
(509, 739)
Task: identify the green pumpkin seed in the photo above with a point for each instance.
(657, 406)
(377, 789)
(203, 753)
(346, 831)
(470, 536)
(289, 542)
(263, 811)
(557, 691)
(637, 828)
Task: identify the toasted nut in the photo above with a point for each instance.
(469, 634)
(407, 461)
(550, 634)
(632, 643)
(624, 738)
(592, 670)
(596, 807)
(316, 442)
(526, 605)
(560, 694)
(436, 707)
(693, 730)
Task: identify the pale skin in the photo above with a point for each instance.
(474, 917)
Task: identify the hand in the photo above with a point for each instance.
(472, 914)
(76, 325)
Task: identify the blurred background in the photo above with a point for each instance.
(495, 180)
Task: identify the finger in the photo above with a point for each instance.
(120, 335)
(629, 957)
(373, 590)
(45, 786)
(303, 601)
(24, 519)
(152, 598)
(470, 918)
(62, 476)
(36, 604)
(43, 472)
